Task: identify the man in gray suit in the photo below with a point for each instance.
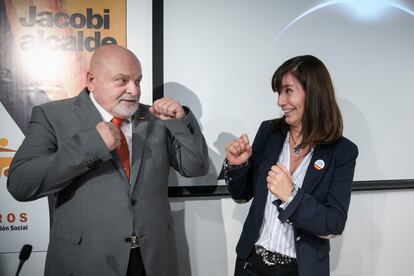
(112, 215)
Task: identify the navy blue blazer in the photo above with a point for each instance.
(319, 208)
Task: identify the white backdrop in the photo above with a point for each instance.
(220, 57)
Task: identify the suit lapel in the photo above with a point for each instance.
(321, 155)
(87, 112)
(90, 117)
(139, 136)
(274, 145)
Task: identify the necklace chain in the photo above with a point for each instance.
(296, 148)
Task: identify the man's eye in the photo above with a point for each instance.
(121, 80)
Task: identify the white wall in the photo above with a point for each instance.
(139, 40)
(377, 240)
(222, 54)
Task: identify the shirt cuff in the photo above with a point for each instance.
(291, 197)
(227, 167)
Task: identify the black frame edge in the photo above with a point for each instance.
(376, 185)
(221, 190)
(157, 49)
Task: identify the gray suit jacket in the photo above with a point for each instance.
(96, 207)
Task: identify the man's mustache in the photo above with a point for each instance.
(127, 97)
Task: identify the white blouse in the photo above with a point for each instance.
(274, 235)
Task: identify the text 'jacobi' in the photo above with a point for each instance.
(68, 41)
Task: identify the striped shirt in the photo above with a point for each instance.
(274, 235)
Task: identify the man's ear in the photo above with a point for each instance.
(90, 80)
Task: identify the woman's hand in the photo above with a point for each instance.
(279, 182)
(239, 151)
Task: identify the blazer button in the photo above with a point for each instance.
(133, 202)
(298, 238)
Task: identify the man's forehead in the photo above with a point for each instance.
(112, 55)
(128, 75)
(115, 66)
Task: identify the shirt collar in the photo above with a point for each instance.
(106, 116)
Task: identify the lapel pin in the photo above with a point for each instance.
(319, 164)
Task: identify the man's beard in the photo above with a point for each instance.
(122, 110)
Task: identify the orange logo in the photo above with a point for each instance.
(5, 160)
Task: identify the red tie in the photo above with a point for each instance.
(122, 150)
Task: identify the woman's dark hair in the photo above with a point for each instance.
(322, 120)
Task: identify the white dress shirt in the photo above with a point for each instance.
(126, 126)
(274, 235)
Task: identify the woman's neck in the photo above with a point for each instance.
(296, 134)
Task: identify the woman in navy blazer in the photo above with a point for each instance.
(299, 173)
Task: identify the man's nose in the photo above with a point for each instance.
(133, 88)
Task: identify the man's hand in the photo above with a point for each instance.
(279, 182)
(167, 109)
(239, 151)
(110, 134)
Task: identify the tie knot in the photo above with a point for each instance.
(117, 121)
